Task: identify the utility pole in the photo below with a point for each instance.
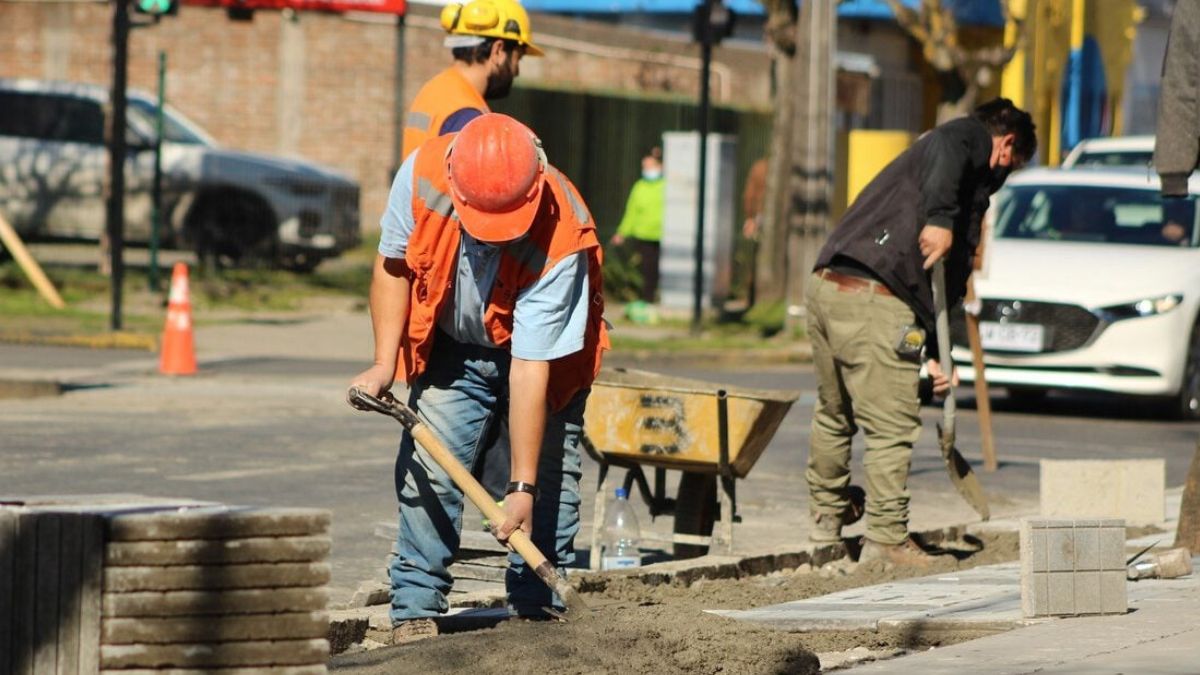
(157, 216)
(702, 171)
(711, 22)
(115, 212)
(811, 175)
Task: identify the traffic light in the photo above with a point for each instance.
(156, 7)
(712, 21)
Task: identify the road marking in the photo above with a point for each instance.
(290, 468)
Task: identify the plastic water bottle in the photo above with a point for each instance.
(621, 535)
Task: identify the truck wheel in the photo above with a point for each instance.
(232, 228)
(695, 511)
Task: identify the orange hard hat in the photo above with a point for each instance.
(497, 170)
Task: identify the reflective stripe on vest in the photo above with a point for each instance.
(581, 212)
(435, 200)
(419, 121)
(442, 96)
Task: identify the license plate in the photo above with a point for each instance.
(1012, 337)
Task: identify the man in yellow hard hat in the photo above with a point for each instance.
(488, 39)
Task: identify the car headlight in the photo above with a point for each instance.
(1145, 307)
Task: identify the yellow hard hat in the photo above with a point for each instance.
(504, 19)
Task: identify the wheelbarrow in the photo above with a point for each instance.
(712, 433)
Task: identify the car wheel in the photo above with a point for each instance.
(300, 264)
(1187, 401)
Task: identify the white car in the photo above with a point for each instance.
(1111, 152)
(1091, 282)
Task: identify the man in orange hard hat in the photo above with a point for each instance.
(486, 289)
(487, 39)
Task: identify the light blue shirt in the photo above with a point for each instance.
(550, 317)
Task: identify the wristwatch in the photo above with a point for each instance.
(521, 486)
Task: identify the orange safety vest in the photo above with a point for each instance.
(563, 227)
(447, 93)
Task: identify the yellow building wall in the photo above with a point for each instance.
(1034, 78)
(862, 154)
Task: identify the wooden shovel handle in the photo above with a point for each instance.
(518, 540)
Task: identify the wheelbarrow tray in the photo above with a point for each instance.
(636, 416)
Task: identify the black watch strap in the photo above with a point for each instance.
(521, 486)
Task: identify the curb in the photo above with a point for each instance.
(10, 388)
(350, 623)
(119, 340)
(687, 572)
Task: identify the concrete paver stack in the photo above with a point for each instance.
(142, 589)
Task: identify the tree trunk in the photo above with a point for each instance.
(1188, 532)
(771, 268)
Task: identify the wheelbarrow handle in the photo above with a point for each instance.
(518, 541)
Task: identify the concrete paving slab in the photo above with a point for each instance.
(984, 596)
(215, 603)
(1159, 636)
(987, 598)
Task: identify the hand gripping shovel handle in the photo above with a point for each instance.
(964, 479)
(518, 541)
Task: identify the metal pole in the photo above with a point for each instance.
(115, 213)
(702, 182)
(398, 100)
(156, 219)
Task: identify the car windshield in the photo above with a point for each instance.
(1098, 158)
(174, 130)
(1095, 214)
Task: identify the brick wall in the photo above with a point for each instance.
(320, 86)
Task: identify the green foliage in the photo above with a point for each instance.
(767, 317)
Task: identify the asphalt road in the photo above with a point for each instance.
(277, 431)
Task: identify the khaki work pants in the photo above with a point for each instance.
(862, 383)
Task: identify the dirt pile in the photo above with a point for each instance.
(663, 629)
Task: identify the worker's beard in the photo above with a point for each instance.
(498, 85)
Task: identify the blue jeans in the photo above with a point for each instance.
(460, 396)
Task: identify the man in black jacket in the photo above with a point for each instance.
(871, 316)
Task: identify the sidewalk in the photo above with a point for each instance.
(1159, 634)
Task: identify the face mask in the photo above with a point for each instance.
(999, 175)
(652, 174)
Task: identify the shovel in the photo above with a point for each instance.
(961, 475)
(517, 541)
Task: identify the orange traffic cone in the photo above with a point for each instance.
(178, 349)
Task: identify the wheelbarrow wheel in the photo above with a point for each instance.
(695, 511)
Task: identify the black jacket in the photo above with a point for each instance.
(943, 180)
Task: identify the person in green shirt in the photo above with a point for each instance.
(642, 225)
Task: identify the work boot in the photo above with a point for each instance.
(904, 554)
(413, 630)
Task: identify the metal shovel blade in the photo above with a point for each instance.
(963, 477)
